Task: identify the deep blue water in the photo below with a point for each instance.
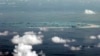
(52, 49)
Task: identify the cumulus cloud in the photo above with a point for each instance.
(41, 53)
(87, 11)
(27, 38)
(5, 33)
(75, 48)
(24, 50)
(39, 32)
(66, 45)
(57, 39)
(93, 37)
(25, 42)
(98, 36)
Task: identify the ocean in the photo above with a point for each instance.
(83, 29)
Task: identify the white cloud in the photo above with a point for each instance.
(41, 53)
(24, 50)
(87, 11)
(75, 48)
(25, 43)
(93, 37)
(98, 36)
(39, 32)
(5, 33)
(27, 38)
(16, 39)
(66, 45)
(57, 39)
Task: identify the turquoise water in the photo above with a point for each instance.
(46, 19)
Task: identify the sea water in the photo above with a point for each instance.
(61, 24)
